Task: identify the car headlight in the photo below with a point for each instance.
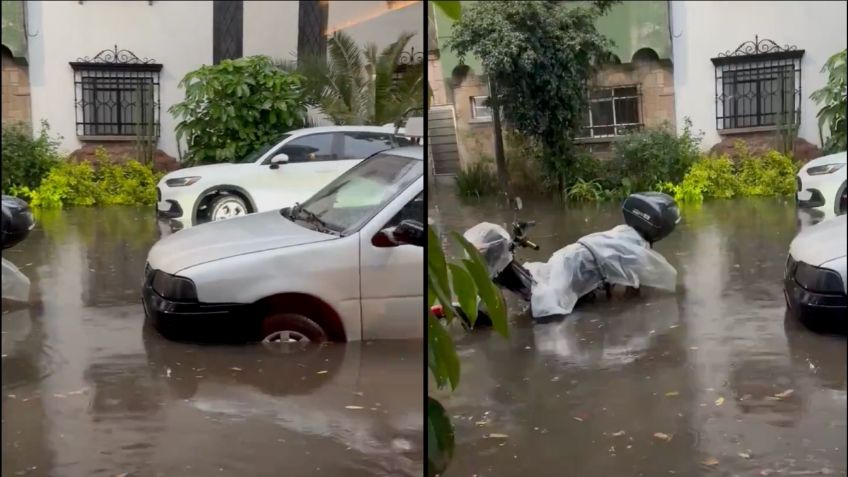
(173, 287)
(182, 181)
(817, 279)
(825, 169)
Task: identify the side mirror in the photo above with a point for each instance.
(278, 160)
(408, 232)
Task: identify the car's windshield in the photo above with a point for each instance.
(255, 155)
(357, 195)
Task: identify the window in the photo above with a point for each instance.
(414, 210)
(315, 147)
(479, 110)
(116, 94)
(358, 145)
(612, 112)
(758, 84)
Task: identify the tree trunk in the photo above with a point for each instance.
(500, 158)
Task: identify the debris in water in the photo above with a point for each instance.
(322, 372)
(662, 436)
(618, 434)
(784, 394)
(354, 407)
(579, 419)
(235, 368)
(496, 436)
(710, 461)
(719, 401)
(672, 394)
(745, 455)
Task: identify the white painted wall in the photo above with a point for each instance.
(701, 30)
(378, 22)
(270, 28)
(177, 34)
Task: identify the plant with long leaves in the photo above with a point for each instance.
(362, 85)
(832, 98)
(468, 280)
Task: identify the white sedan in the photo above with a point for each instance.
(344, 265)
(283, 172)
(821, 185)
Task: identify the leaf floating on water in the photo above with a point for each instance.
(744, 455)
(578, 419)
(618, 434)
(497, 436)
(672, 394)
(354, 407)
(784, 394)
(710, 461)
(481, 423)
(662, 436)
(719, 401)
(235, 368)
(322, 372)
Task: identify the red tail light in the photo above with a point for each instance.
(437, 311)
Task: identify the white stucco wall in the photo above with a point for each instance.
(270, 28)
(701, 30)
(177, 34)
(378, 22)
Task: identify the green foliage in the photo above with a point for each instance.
(653, 155)
(540, 56)
(477, 179)
(468, 280)
(451, 9)
(26, 160)
(83, 184)
(832, 99)
(585, 191)
(234, 107)
(357, 85)
(772, 174)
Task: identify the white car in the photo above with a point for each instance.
(821, 185)
(815, 278)
(288, 170)
(345, 265)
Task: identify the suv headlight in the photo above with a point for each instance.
(173, 287)
(817, 279)
(182, 181)
(825, 169)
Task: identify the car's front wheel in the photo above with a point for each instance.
(226, 207)
(291, 328)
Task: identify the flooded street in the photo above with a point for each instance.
(711, 380)
(89, 390)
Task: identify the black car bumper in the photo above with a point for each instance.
(814, 307)
(201, 322)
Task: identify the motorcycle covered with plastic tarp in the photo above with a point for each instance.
(623, 255)
(17, 224)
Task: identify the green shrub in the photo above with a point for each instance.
(83, 184)
(477, 180)
(232, 108)
(709, 177)
(585, 191)
(649, 156)
(769, 175)
(27, 160)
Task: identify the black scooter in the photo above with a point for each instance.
(653, 215)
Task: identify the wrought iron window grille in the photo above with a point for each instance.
(406, 61)
(116, 95)
(758, 85)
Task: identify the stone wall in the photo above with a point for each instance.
(16, 102)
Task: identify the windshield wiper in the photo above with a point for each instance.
(298, 212)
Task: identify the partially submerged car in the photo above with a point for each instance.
(344, 265)
(287, 170)
(815, 277)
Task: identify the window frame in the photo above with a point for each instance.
(619, 129)
(474, 115)
(757, 59)
(337, 148)
(117, 67)
(388, 137)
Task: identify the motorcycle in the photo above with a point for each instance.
(623, 255)
(17, 222)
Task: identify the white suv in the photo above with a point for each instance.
(283, 172)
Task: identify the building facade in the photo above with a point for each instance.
(88, 64)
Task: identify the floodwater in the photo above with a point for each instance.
(711, 380)
(89, 390)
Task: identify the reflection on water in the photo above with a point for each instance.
(90, 389)
(716, 368)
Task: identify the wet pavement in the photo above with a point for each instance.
(89, 389)
(712, 380)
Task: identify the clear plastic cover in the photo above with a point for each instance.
(620, 255)
(15, 283)
(492, 241)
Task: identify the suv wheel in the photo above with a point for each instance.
(226, 207)
(291, 328)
